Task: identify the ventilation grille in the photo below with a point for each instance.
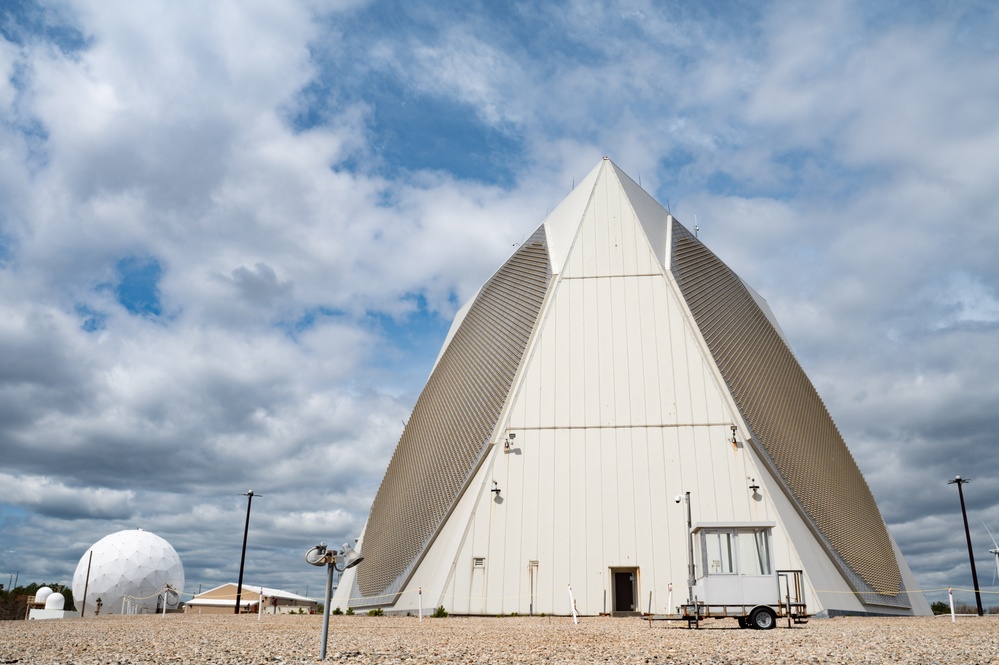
(788, 419)
(452, 421)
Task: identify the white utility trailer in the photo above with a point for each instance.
(738, 579)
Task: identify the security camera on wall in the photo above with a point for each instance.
(678, 498)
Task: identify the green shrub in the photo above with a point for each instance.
(350, 611)
(337, 611)
(377, 612)
(440, 612)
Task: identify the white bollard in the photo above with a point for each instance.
(572, 604)
(421, 604)
(260, 604)
(669, 605)
(950, 592)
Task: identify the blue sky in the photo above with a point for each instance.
(233, 236)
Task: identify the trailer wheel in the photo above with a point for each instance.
(763, 618)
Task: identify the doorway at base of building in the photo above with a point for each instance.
(624, 592)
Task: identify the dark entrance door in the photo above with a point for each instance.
(624, 591)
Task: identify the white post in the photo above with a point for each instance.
(421, 604)
(950, 592)
(123, 603)
(164, 599)
(572, 604)
(260, 603)
(669, 605)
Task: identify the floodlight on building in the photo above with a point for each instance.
(347, 558)
(506, 443)
(735, 444)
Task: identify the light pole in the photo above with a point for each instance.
(959, 481)
(691, 575)
(242, 557)
(320, 556)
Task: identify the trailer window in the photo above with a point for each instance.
(754, 552)
(718, 552)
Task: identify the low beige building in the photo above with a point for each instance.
(222, 600)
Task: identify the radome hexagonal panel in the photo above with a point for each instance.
(135, 564)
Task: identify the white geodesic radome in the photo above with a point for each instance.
(132, 564)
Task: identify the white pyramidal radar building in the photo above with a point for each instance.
(612, 364)
(128, 571)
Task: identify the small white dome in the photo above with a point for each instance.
(55, 601)
(42, 594)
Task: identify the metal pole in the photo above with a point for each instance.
(86, 585)
(691, 575)
(967, 533)
(242, 558)
(326, 606)
(530, 607)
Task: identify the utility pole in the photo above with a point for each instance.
(959, 481)
(246, 529)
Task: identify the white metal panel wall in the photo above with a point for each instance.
(607, 482)
(604, 497)
(573, 495)
(651, 215)
(562, 225)
(610, 240)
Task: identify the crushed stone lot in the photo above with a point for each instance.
(228, 639)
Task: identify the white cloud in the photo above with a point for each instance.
(48, 496)
(471, 71)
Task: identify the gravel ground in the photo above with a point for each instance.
(226, 639)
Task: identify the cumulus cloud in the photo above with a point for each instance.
(47, 496)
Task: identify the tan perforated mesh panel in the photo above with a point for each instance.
(452, 421)
(787, 417)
